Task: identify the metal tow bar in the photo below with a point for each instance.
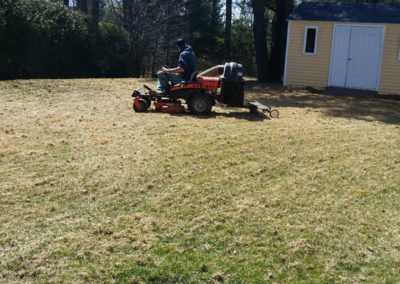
(256, 106)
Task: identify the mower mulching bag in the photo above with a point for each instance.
(232, 89)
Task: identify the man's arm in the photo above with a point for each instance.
(173, 70)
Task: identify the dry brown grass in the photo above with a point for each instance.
(91, 191)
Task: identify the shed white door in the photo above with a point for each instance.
(340, 52)
(356, 57)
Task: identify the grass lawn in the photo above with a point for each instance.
(92, 192)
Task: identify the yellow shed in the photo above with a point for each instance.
(344, 45)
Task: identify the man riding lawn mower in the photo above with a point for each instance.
(200, 91)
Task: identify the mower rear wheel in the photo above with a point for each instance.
(142, 106)
(200, 104)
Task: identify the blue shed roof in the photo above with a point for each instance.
(347, 12)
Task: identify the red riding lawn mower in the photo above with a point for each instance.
(201, 93)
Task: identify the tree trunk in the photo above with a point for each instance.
(190, 14)
(95, 10)
(260, 40)
(214, 14)
(153, 58)
(82, 5)
(167, 32)
(127, 14)
(228, 31)
(66, 2)
(279, 34)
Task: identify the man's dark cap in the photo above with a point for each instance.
(180, 42)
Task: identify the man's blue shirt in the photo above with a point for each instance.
(188, 62)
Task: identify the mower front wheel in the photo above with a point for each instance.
(148, 101)
(274, 113)
(200, 104)
(140, 105)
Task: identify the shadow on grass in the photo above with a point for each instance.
(367, 109)
(242, 115)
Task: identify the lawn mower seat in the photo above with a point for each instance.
(193, 77)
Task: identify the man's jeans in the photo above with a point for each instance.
(165, 78)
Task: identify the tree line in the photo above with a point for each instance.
(133, 38)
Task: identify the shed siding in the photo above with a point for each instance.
(308, 70)
(390, 70)
(313, 70)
